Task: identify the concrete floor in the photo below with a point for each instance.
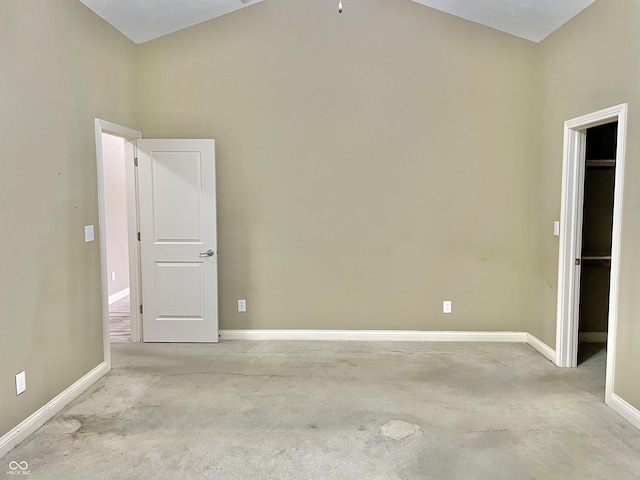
(332, 410)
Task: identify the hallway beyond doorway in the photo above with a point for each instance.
(120, 320)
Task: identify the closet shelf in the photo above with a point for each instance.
(597, 259)
(601, 163)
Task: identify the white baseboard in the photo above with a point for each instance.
(625, 410)
(44, 414)
(593, 337)
(117, 296)
(542, 348)
(373, 335)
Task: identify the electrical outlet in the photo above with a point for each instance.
(242, 305)
(446, 306)
(113, 276)
(21, 383)
(89, 235)
(556, 228)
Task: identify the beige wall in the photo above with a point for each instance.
(115, 207)
(61, 67)
(370, 165)
(590, 64)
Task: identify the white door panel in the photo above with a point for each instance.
(177, 229)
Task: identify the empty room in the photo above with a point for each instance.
(390, 239)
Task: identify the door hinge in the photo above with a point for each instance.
(135, 161)
(138, 236)
(140, 309)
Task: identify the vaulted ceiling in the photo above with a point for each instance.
(144, 20)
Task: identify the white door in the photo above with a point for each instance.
(177, 202)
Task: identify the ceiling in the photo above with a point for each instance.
(144, 20)
(530, 19)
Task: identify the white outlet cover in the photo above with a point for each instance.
(446, 306)
(556, 228)
(21, 383)
(88, 233)
(242, 305)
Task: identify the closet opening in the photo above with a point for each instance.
(597, 227)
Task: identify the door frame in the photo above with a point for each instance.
(130, 136)
(573, 172)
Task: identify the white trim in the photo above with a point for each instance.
(374, 335)
(542, 348)
(44, 414)
(624, 409)
(571, 235)
(119, 295)
(615, 251)
(593, 337)
(115, 129)
(103, 126)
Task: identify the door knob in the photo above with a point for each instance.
(208, 253)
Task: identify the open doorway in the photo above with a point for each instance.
(115, 143)
(597, 226)
(602, 249)
(117, 239)
(171, 213)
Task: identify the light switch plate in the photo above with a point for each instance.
(446, 306)
(88, 233)
(556, 228)
(21, 383)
